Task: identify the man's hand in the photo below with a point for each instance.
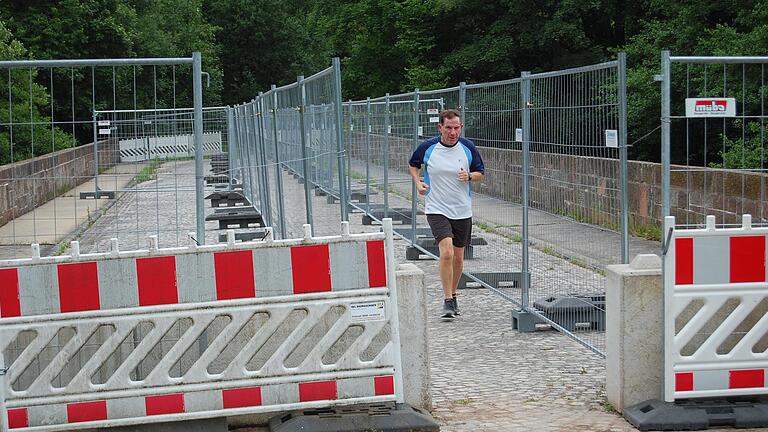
(421, 187)
(463, 175)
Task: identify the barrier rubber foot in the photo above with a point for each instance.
(218, 424)
(388, 417)
(699, 414)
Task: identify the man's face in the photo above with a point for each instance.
(450, 130)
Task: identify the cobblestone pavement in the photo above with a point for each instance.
(485, 376)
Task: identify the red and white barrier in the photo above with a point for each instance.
(714, 279)
(338, 283)
(146, 278)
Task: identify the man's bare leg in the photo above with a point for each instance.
(458, 267)
(446, 267)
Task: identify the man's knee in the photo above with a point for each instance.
(446, 249)
(458, 254)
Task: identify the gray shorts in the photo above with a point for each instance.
(460, 230)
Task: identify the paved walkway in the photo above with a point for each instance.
(59, 219)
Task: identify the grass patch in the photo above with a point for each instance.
(148, 172)
(648, 232)
(517, 238)
(61, 249)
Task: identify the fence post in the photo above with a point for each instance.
(96, 156)
(278, 168)
(197, 84)
(242, 150)
(623, 158)
(261, 148)
(304, 160)
(340, 137)
(385, 152)
(665, 132)
(526, 102)
(348, 153)
(252, 164)
(230, 146)
(368, 155)
(462, 102)
(414, 193)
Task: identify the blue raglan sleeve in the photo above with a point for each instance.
(417, 158)
(477, 161)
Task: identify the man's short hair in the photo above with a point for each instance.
(449, 114)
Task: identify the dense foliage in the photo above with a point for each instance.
(385, 46)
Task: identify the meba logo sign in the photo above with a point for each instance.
(709, 107)
(703, 106)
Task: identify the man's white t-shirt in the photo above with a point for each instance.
(446, 194)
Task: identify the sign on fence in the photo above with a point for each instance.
(710, 107)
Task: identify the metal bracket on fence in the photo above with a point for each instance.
(667, 242)
(3, 370)
(191, 237)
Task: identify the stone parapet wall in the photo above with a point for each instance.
(28, 184)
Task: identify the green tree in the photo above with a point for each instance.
(262, 42)
(24, 131)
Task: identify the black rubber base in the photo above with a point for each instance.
(698, 414)
(202, 425)
(383, 417)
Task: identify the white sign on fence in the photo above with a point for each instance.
(710, 107)
(434, 119)
(105, 131)
(367, 311)
(431, 111)
(519, 134)
(421, 130)
(103, 122)
(612, 138)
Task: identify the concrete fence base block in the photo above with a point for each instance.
(524, 321)
(634, 338)
(203, 425)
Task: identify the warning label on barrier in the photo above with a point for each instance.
(431, 111)
(367, 311)
(103, 122)
(105, 131)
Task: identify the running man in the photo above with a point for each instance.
(450, 164)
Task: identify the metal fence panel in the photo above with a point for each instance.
(63, 103)
(714, 161)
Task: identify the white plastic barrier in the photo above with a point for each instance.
(98, 340)
(715, 295)
(166, 147)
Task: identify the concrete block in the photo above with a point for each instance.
(634, 337)
(414, 335)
